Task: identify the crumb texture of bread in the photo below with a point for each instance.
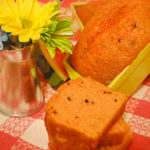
(113, 37)
(128, 138)
(81, 112)
(116, 134)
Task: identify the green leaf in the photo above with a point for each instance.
(51, 49)
(65, 11)
(57, 7)
(52, 27)
(66, 22)
(55, 36)
(63, 44)
(65, 30)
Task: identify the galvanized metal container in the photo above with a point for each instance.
(20, 92)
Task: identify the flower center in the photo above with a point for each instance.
(26, 23)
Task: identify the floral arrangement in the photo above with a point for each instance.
(23, 22)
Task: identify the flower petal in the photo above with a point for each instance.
(25, 35)
(13, 7)
(45, 12)
(20, 8)
(36, 35)
(23, 38)
(35, 10)
(11, 21)
(8, 7)
(9, 29)
(28, 10)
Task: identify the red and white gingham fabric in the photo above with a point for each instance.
(29, 133)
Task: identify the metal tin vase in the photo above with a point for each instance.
(20, 91)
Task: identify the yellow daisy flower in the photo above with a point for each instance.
(25, 18)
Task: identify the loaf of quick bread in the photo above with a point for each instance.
(113, 37)
(82, 112)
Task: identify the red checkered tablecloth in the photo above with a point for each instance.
(29, 133)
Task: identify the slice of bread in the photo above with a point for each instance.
(126, 139)
(115, 137)
(116, 134)
(123, 146)
(81, 113)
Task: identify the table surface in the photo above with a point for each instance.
(29, 133)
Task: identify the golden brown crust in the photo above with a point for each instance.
(85, 12)
(112, 39)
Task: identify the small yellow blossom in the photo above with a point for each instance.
(26, 18)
